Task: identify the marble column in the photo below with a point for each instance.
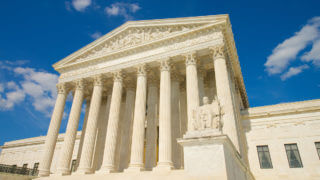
(201, 75)
(224, 94)
(192, 87)
(126, 131)
(85, 165)
(101, 130)
(119, 140)
(183, 116)
(175, 119)
(165, 144)
(83, 130)
(183, 109)
(137, 147)
(53, 131)
(108, 164)
(152, 122)
(212, 86)
(71, 132)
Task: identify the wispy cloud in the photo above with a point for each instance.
(288, 50)
(314, 54)
(293, 71)
(125, 10)
(96, 35)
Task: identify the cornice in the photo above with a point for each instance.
(233, 53)
(143, 23)
(139, 48)
(281, 109)
(33, 141)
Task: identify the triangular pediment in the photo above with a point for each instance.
(136, 33)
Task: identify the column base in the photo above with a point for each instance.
(44, 173)
(214, 156)
(63, 172)
(106, 170)
(163, 166)
(135, 168)
(84, 171)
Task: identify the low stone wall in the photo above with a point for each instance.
(7, 176)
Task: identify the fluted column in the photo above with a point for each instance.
(152, 119)
(126, 130)
(108, 164)
(212, 85)
(53, 131)
(175, 118)
(224, 95)
(183, 109)
(137, 147)
(83, 130)
(85, 165)
(165, 144)
(101, 130)
(201, 75)
(71, 132)
(183, 116)
(192, 87)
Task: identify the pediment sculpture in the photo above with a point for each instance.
(208, 116)
(135, 36)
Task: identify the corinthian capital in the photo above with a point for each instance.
(117, 76)
(217, 51)
(142, 70)
(61, 88)
(165, 65)
(80, 84)
(190, 58)
(98, 80)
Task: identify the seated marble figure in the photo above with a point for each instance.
(207, 116)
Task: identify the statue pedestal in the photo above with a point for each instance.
(213, 157)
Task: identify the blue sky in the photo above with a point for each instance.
(278, 45)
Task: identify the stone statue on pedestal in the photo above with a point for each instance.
(207, 116)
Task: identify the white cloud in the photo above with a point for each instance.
(1, 87)
(287, 51)
(293, 71)
(80, 5)
(40, 86)
(122, 9)
(12, 85)
(314, 54)
(12, 98)
(134, 7)
(96, 35)
(7, 65)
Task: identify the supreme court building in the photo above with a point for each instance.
(165, 99)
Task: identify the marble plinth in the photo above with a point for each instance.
(213, 156)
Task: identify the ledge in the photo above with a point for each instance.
(281, 109)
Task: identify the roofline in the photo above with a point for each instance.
(127, 24)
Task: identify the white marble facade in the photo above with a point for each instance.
(167, 96)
